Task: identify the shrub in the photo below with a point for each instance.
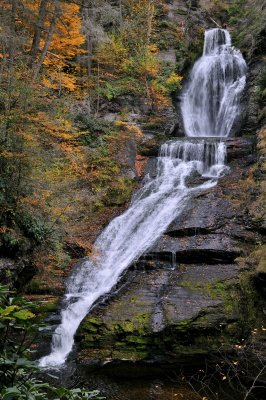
(18, 380)
(91, 124)
(33, 226)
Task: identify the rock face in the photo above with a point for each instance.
(187, 296)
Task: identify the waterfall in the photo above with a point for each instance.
(210, 104)
(128, 236)
(210, 107)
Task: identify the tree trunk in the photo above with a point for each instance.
(85, 12)
(48, 39)
(98, 88)
(12, 46)
(150, 18)
(38, 32)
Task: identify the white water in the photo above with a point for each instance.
(161, 199)
(210, 104)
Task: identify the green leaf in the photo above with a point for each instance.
(24, 362)
(10, 393)
(8, 310)
(24, 315)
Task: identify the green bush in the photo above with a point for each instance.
(18, 379)
(91, 124)
(119, 192)
(114, 89)
(10, 242)
(90, 139)
(33, 226)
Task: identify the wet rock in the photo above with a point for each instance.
(204, 214)
(163, 315)
(200, 248)
(202, 274)
(240, 148)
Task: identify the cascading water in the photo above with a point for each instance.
(210, 104)
(161, 199)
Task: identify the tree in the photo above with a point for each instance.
(96, 16)
(239, 373)
(56, 14)
(39, 27)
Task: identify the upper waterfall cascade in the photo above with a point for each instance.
(163, 198)
(211, 102)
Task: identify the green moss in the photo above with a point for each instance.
(94, 321)
(189, 350)
(137, 339)
(48, 306)
(138, 324)
(91, 328)
(183, 325)
(89, 338)
(128, 326)
(133, 355)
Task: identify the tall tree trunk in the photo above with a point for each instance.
(12, 45)
(98, 89)
(49, 38)
(85, 12)
(13, 31)
(150, 18)
(38, 32)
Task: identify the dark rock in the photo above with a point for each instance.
(74, 250)
(199, 248)
(161, 315)
(204, 214)
(202, 274)
(16, 272)
(240, 148)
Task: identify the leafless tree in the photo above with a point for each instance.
(241, 374)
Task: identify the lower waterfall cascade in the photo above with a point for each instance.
(153, 207)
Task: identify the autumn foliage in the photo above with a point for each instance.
(62, 166)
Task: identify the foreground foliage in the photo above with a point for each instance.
(18, 329)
